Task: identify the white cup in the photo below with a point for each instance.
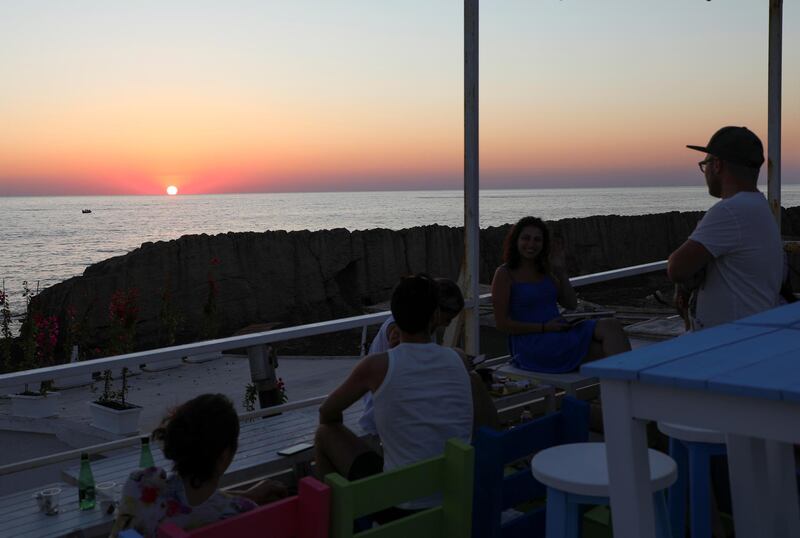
(48, 500)
(106, 495)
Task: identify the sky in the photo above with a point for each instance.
(128, 97)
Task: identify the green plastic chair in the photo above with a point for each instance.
(450, 474)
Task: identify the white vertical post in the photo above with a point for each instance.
(471, 177)
(774, 108)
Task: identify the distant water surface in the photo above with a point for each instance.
(48, 239)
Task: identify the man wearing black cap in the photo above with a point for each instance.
(737, 245)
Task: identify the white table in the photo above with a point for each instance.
(741, 378)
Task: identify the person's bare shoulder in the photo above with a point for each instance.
(373, 368)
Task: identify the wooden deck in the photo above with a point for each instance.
(259, 442)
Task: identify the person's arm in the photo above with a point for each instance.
(264, 492)
(688, 260)
(501, 294)
(367, 375)
(566, 293)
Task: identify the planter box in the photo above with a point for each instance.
(119, 422)
(37, 406)
(204, 357)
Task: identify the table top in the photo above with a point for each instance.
(756, 356)
(20, 515)
(259, 442)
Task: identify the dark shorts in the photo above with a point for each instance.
(364, 465)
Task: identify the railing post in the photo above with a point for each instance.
(263, 362)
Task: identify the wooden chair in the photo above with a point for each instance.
(306, 515)
(450, 474)
(495, 491)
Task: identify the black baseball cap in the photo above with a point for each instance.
(737, 145)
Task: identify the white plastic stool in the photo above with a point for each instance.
(692, 449)
(577, 474)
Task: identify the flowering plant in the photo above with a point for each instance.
(123, 312)
(28, 331)
(46, 336)
(281, 387)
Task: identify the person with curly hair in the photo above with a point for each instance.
(200, 437)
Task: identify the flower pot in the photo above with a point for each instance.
(204, 357)
(116, 421)
(35, 405)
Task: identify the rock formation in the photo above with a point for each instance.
(301, 277)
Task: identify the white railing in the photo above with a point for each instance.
(134, 360)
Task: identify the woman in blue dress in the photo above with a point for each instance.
(526, 291)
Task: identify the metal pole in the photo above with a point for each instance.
(774, 108)
(471, 176)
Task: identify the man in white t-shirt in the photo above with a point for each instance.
(735, 253)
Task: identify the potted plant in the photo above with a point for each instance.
(112, 412)
(35, 404)
(41, 343)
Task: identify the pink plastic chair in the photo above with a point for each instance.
(305, 515)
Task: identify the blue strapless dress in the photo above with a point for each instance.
(553, 352)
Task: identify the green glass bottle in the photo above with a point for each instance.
(85, 484)
(145, 456)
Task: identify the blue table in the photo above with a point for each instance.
(743, 379)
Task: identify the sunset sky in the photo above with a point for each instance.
(127, 97)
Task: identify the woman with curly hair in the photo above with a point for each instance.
(526, 292)
(200, 437)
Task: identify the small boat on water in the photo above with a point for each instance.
(86, 210)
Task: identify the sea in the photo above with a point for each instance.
(44, 240)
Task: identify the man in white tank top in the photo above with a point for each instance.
(421, 394)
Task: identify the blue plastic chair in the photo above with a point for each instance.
(496, 492)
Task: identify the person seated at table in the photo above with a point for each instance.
(421, 396)
(526, 292)
(450, 302)
(201, 438)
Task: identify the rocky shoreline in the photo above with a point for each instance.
(202, 286)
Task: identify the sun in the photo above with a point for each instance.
(172, 190)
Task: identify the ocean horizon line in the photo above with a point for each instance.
(698, 185)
